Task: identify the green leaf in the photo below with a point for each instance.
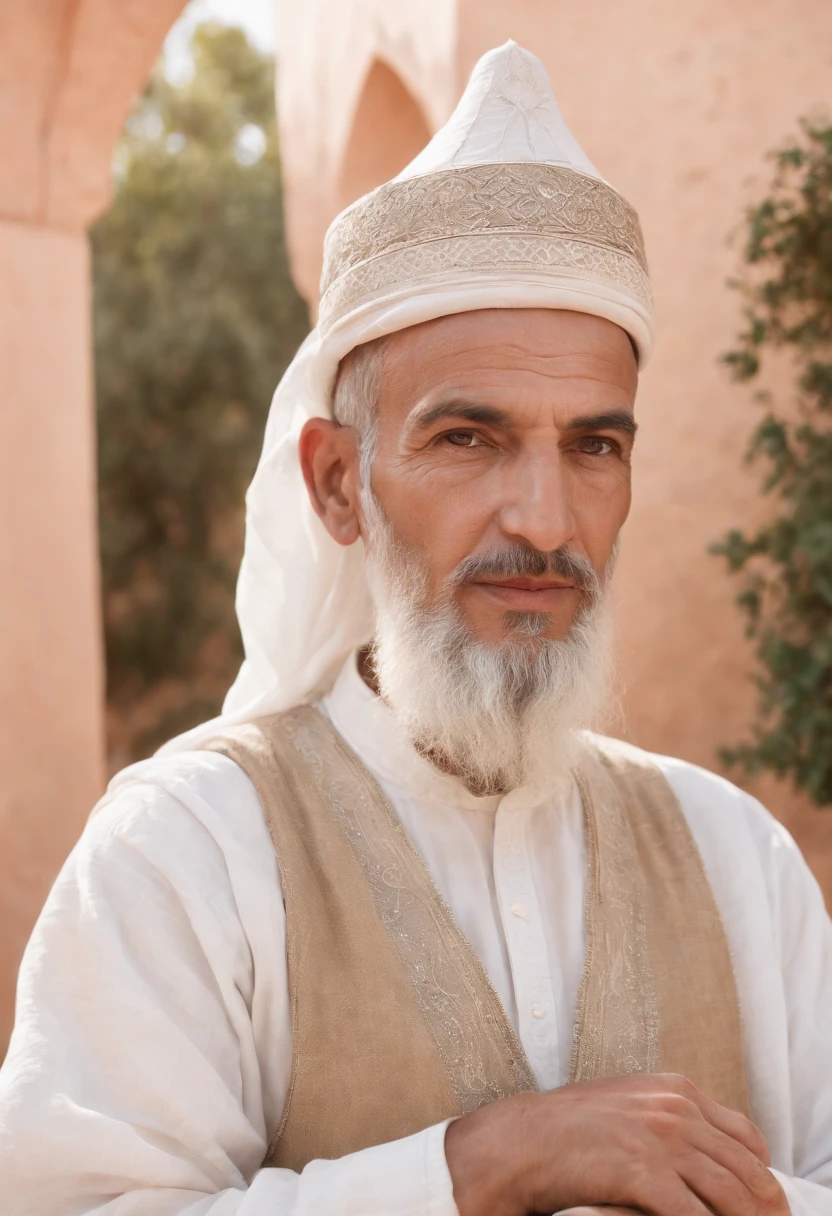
(195, 319)
(786, 565)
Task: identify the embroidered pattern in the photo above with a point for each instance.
(617, 1018)
(477, 1043)
(623, 1011)
(423, 264)
(482, 217)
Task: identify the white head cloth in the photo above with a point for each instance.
(502, 209)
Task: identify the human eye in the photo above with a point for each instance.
(462, 439)
(597, 445)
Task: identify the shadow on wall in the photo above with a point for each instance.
(388, 130)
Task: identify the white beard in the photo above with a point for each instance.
(497, 716)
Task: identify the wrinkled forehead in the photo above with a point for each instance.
(549, 331)
(501, 347)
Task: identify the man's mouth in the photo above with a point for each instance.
(529, 584)
(527, 594)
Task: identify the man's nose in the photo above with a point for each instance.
(536, 507)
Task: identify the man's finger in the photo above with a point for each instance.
(662, 1193)
(731, 1155)
(738, 1127)
(725, 1192)
(603, 1210)
(731, 1122)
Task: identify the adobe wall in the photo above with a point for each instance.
(677, 105)
(69, 73)
(326, 50)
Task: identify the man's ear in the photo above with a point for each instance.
(330, 464)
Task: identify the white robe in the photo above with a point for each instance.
(152, 1050)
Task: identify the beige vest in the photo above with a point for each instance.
(395, 1023)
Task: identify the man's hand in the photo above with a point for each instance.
(653, 1143)
(603, 1210)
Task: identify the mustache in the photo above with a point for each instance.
(520, 561)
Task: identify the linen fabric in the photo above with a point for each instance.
(502, 209)
(395, 1024)
(90, 1120)
(658, 992)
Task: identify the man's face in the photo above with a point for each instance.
(507, 430)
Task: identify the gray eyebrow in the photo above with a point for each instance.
(619, 420)
(489, 415)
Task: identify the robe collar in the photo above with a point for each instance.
(368, 726)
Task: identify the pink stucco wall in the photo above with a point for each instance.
(51, 682)
(69, 72)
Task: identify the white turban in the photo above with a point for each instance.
(502, 209)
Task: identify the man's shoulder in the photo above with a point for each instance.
(750, 858)
(711, 803)
(203, 772)
(182, 800)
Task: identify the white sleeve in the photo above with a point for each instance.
(147, 1068)
(806, 960)
(780, 939)
(805, 1198)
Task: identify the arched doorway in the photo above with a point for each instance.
(388, 130)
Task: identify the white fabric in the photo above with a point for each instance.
(507, 112)
(152, 1050)
(302, 599)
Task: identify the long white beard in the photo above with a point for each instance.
(498, 716)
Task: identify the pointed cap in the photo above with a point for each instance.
(502, 209)
(508, 112)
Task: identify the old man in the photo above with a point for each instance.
(397, 933)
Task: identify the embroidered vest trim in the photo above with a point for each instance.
(395, 1023)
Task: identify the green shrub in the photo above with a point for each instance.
(195, 319)
(787, 592)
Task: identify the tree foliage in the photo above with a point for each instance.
(195, 319)
(787, 563)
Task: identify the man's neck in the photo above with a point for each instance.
(367, 671)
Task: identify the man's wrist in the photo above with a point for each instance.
(486, 1161)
